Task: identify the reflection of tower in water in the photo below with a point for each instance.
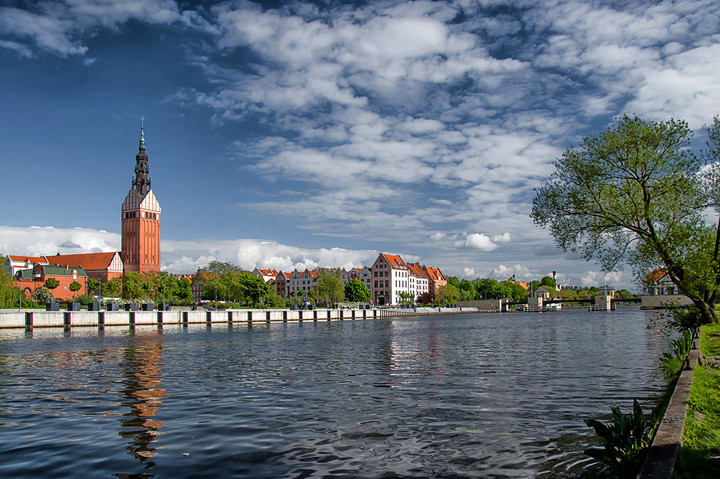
(142, 394)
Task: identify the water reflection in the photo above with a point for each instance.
(143, 394)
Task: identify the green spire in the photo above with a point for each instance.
(142, 133)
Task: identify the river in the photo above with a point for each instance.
(471, 395)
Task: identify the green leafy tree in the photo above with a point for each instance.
(356, 291)
(636, 194)
(329, 285)
(220, 268)
(447, 294)
(512, 291)
(8, 293)
(75, 287)
(184, 291)
(547, 282)
(51, 284)
(112, 288)
(92, 285)
(253, 288)
(488, 289)
(405, 298)
(136, 286)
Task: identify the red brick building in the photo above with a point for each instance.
(31, 279)
(102, 266)
(141, 219)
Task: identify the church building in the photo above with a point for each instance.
(141, 219)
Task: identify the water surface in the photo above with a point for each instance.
(486, 395)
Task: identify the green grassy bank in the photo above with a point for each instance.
(700, 455)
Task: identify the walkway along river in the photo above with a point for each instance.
(471, 395)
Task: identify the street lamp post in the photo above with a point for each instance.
(215, 297)
(163, 296)
(100, 291)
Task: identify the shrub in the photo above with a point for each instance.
(626, 438)
(673, 360)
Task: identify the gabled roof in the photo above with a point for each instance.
(282, 275)
(395, 261)
(434, 274)
(268, 272)
(89, 261)
(416, 270)
(656, 275)
(29, 259)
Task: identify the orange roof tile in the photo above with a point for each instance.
(89, 261)
(656, 275)
(29, 259)
(395, 261)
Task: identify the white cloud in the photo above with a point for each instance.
(479, 241)
(503, 238)
(594, 278)
(503, 272)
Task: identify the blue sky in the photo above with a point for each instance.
(301, 134)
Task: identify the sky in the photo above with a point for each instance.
(304, 134)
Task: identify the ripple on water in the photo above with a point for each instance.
(465, 396)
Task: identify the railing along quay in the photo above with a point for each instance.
(30, 319)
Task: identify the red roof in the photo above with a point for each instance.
(656, 275)
(89, 261)
(395, 261)
(29, 259)
(416, 269)
(434, 274)
(268, 272)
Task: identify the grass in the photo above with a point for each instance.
(699, 457)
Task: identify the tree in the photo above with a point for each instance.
(405, 298)
(425, 298)
(636, 194)
(51, 283)
(447, 294)
(112, 288)
(252, 288)
(8, 293)
(329, 285)
(75, 287)
(92, 284)
(488, 289)
(135, 286)
(356, 291)
(42, 295)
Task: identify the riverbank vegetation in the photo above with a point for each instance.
(699, 457)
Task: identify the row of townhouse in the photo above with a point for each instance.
(388, 280)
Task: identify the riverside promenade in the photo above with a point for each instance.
(30, 319)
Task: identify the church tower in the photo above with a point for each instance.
(141, 219)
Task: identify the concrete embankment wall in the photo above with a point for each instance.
(662, 301)
(30, 319)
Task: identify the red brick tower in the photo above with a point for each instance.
(141, 219)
